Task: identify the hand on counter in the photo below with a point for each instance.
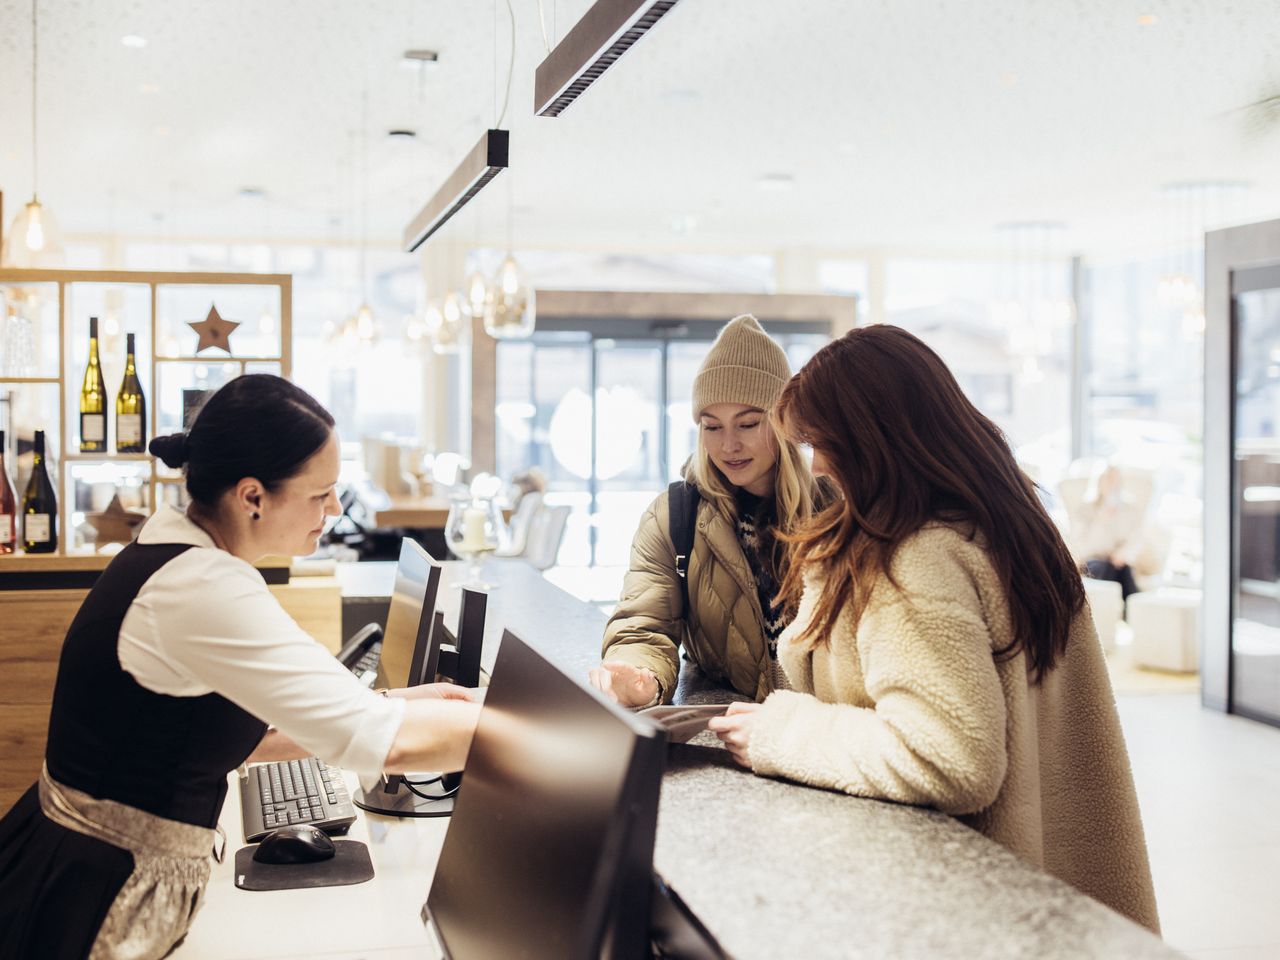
(625, 684)
(437, 691)
(734, 730)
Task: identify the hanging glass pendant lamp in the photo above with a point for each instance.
(510, 310)
(34, 239)
(510, 307)
(449, 330)
(477, 293)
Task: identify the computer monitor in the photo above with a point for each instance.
(407, 635)
(550, 850)
(410, 650)
(454, 658)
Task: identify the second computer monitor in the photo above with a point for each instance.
(549, 853)
(407, 638)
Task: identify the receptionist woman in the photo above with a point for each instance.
(174, 666)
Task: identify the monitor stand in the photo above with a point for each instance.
(436, 800)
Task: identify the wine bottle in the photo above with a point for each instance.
(93, 400)
(39, 506)
(131, 408)
(8, 507)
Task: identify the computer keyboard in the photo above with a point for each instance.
(294, 791)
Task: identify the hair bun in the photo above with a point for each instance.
(172, 449)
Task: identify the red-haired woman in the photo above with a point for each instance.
(942, 654)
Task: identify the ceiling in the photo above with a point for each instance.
(901, 124)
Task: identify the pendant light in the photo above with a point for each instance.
(510, 311)
(34, 239)
(446, 322)
(365, 324)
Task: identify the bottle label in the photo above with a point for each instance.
(6, 529)
(93, 428)
(36, 528)
(128, 429)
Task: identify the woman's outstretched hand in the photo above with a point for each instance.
(625, 684)
(734, 730)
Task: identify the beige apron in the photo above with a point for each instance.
(153, 910)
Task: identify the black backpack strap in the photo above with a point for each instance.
(682, 504)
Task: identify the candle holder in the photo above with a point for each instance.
(473, 530)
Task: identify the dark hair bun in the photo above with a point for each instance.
(172, 449)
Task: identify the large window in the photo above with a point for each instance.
(607, 418)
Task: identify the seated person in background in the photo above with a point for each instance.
(942, 653)
(750, 485)
(174, 665)
(1105, 532)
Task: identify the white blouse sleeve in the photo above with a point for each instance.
(206, 622)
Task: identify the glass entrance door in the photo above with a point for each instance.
(1255, 625)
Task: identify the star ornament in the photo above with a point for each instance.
(214, 331)
(116, 524)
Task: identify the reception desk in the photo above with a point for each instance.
(773, 869)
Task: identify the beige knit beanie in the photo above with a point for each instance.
(745, 365)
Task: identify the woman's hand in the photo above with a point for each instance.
(625, 684)
(437, 691)
(734, 730)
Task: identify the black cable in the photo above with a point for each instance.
(426, 796)
(424, 783)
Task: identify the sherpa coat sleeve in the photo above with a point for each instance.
(932, 729)
(647, 625)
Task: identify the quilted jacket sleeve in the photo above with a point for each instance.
(935, 734)
(648, 623)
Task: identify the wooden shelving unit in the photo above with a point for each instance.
(55, 298)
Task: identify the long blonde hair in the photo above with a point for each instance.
(793, 486)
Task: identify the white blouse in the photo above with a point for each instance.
(207, 623)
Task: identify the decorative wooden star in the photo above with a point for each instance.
(214, 331)
(115, 524)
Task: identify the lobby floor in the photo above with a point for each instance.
(1208, 785)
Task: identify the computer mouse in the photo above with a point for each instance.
(296, 844)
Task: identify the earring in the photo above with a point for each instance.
(256, 515)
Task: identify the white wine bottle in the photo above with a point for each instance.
(39, 506)
(93, 400)
(131, 408)
(8, 507)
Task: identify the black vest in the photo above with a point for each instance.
(114, 739)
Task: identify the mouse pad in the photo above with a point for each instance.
(349, 864)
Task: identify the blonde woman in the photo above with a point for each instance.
(746, 484)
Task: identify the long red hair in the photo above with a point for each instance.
(905, 447)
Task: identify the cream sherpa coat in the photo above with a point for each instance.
(912, 707)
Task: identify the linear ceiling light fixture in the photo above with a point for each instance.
(605, 33)
(487, 159)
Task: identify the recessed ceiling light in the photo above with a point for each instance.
(148, 88)
(133, 41)
(776, 181)
(1147, 19)
(412, 59)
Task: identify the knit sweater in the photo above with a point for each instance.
(911, 705)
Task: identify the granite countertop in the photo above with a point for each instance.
(777, 869)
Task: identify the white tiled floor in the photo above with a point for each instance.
(1209, 787)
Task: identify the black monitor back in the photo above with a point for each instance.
(550, 849)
